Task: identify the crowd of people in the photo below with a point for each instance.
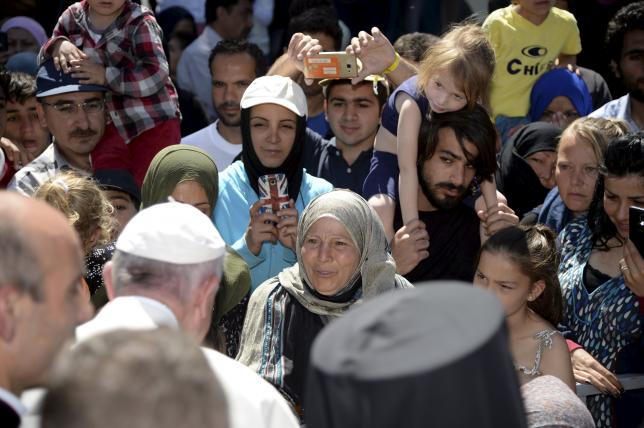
(194, 232)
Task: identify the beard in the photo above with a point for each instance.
(632, 87)
(225, 119)
(447, 202)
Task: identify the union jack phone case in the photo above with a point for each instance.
(273, 192)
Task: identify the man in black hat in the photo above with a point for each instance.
(74, 112)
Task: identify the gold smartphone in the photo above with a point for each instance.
(330, 65)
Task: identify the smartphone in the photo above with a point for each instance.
(273, 192)
(636, 227)
(330, 65)
(4, 42)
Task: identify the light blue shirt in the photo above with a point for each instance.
(618, 109)
(232, 215)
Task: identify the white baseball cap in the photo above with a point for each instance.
(275, 90)
(172, 232)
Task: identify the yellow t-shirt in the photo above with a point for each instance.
(523, 52)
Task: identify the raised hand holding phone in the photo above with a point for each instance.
(287, 226)
(331, 65)
(261, 228)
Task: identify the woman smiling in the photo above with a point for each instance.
(342, 259)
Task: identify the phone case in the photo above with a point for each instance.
(330, 65)
(273, 192)
(636, 227)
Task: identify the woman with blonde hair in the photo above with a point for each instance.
(580, 153)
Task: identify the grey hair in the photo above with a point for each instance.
(145, 379)
(132, 272)
(19, 264)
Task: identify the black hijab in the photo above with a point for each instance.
(170, 17)
(515, 178)
(292, 166)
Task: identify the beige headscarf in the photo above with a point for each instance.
(376, 267)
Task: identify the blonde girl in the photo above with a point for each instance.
(454, 74)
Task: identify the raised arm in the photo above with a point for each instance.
(378, 56)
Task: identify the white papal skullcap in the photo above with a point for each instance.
(172, 232)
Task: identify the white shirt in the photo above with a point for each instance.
(252, 402)
(619, 109)
(193, 71)
(13, 402)
(212, 142)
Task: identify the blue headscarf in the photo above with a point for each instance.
(559, 82)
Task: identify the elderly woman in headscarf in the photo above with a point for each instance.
(526, 164)
(559, 97)
(342, 259)
(189, 175)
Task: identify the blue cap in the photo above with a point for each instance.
(55, 82)
(24, 62)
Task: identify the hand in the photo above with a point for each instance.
(64, 53)
(496, 218)
(375, 52)
(587, 369)
(287, 226)
(301, 46)
(632, 266)
(88, 71)
(15, 153)
(559, 120)
(571, 67)
(409, 246)
(260, 228)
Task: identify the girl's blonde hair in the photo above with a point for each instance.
(598, 132)
(84, 204)
(467, 55)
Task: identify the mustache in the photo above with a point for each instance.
(451, 186)
(228, 104)
(82, 133)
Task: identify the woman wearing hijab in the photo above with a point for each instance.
(342, 259)
(23, 35)
(273, 123)
(559, 97)
(189, 175)
(526, 166)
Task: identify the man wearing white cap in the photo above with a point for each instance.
(165, 272)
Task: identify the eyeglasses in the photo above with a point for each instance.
(68, 109)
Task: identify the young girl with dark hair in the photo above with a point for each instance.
(519, 265)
